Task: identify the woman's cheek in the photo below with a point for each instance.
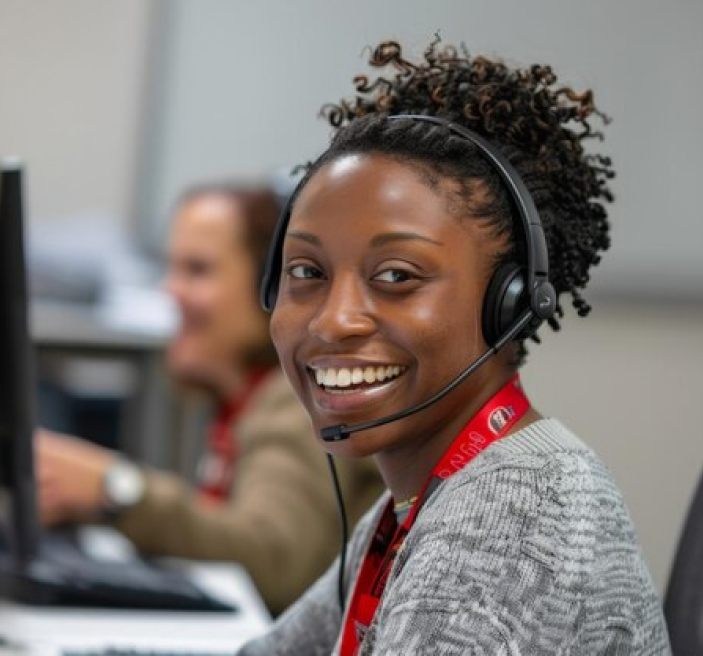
(282, 335)
(276, 333)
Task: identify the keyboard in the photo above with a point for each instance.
(64, 576)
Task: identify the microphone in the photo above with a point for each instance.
(341, 432)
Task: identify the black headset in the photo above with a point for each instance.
(513, 288)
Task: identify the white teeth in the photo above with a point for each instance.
(345, 377)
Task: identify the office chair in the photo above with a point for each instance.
(683, 605)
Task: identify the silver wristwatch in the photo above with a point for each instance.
(123, 486)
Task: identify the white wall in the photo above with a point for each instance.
(242, 83)
(234, 87)
(115, 113)
(627, 379)
(71, 87)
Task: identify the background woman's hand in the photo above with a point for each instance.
(69, 474)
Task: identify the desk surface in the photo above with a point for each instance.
(32, 631)
(88, 326)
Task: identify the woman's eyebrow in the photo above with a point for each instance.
(388, 237)
(304, 236)
(376, 241)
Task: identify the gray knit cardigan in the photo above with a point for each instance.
(529, 550)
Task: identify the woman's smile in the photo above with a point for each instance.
(353, 387)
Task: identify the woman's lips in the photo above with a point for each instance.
(342, 378)
(352, 388)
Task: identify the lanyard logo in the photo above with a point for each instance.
(499, 418)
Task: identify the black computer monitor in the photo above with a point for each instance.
(18, 522)
(30, 570)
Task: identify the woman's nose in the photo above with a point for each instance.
(172, 287)
(175, 285)
(346, 311)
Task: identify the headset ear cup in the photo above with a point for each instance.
(271, 275)
(505, 300)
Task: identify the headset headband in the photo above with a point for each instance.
(538, 288)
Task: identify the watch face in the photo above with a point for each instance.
(124, 485)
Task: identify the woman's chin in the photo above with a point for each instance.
(355, 446)
(189, 371)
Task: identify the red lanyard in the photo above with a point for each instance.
(216, 467)
(493, 421)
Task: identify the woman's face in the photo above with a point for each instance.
(380, 303)
(212, 279)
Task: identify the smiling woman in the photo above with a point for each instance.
(378, 300)
(418, 255)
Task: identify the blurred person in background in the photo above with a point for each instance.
(263, 496)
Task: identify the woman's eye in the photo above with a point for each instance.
(196, 268)
(304, 271)
(393, 275)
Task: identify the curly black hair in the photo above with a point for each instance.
(539, 126)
